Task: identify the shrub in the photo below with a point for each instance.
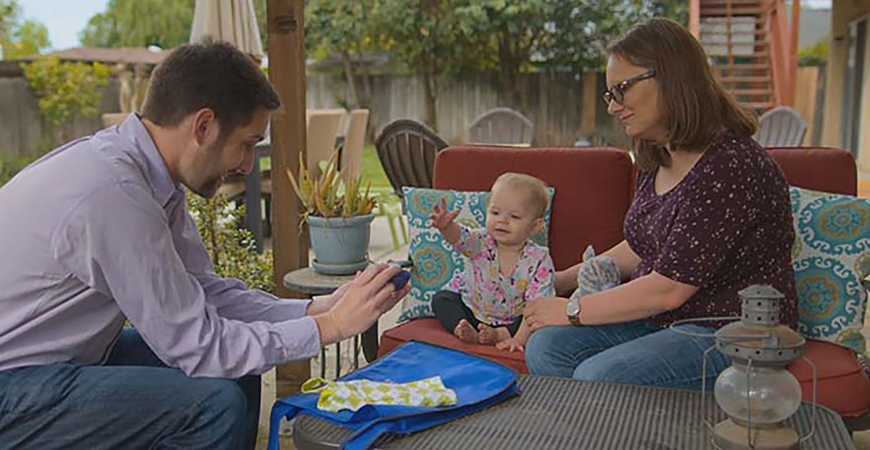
(231, 247)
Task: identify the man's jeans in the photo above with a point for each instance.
(132, 402)
(635, 352)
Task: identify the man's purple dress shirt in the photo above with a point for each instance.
(97, 231)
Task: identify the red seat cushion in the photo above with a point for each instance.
(842, 384)
(431, 331)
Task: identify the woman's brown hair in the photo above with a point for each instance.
(696, 106)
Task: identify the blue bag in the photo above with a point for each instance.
(478, 383)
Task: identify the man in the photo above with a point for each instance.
(98, 231)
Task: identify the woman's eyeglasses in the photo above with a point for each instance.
(617, 92)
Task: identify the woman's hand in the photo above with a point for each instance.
(546, 312)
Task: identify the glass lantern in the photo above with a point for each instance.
(757, 392)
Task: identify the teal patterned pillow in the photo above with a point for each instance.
(435, 261)
(831, 259)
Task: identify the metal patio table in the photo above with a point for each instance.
(558, 413)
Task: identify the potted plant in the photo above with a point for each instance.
(338, 213)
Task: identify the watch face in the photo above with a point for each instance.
(573, 307)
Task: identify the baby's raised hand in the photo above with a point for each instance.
(441, 217)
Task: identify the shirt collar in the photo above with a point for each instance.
(154, 169)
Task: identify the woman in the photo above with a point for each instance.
(711, 216)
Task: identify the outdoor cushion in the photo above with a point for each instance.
(842, 384)
(831, 258)
(817, 168)
(430, 330)
(435, 261)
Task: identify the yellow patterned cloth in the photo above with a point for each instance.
(352, 395)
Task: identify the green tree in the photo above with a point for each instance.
(140, 23)
(20, 37)
(517, 36)
(65, 90)
(231, 247)
(816, 54)
(347, 30)
(423, 36)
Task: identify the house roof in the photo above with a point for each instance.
(129, 55)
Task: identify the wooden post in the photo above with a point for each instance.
(793, 49)
(695, 18)
(590, 104)
(287, 72)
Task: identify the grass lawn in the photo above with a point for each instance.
(371, 169)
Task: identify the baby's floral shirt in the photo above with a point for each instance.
(495, 298)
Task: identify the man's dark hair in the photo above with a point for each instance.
(212, 75)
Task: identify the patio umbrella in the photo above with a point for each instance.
(232, 21)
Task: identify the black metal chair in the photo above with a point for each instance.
(407, 150)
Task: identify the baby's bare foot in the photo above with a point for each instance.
(491, 336)
(465, 332)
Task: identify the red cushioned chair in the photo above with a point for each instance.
(594, 187)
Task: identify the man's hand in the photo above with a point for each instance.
(364, 300)
(322, 304)
(546, 312)
(441, 217)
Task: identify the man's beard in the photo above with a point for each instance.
(210, 186)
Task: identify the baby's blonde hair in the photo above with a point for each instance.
(534, 187)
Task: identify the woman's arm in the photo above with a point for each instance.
(624, 257)
(638, 299)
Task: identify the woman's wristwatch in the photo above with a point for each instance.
(572, 310)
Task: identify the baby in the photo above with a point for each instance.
(503, 269)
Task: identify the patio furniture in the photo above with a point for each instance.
(561, 413)
(594, 188)
(321, 132)
(308, 282)
(354, 138)
(407, 152)
(502, 126)
(781, 127)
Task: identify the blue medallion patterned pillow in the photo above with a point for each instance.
(831, 259)
(435, 261)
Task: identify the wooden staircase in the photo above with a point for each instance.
(749, 48)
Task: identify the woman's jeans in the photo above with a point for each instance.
(133, 401)
(635, 352)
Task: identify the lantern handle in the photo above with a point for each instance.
(815, 405)
(673, 326)
(704, 388)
